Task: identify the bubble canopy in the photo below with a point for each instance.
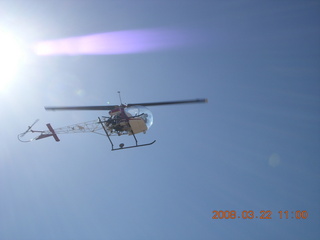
(142, 112)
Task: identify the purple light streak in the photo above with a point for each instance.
(121, 42)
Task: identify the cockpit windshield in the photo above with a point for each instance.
(142, 112)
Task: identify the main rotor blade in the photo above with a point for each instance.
(109, 107)
(204, 100)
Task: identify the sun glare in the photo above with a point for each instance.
(10, 57)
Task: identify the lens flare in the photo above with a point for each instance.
(121, 42)
(10, 57)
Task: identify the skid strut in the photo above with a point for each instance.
(121, 146)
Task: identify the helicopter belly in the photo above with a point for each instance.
(137, 125)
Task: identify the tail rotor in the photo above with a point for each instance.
(21, 135)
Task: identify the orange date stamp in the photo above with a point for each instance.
(262, 214)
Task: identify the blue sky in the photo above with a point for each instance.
(254, 146)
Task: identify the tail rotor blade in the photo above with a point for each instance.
(29, 128)
(34, 123)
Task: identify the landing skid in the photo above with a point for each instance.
(121, 146)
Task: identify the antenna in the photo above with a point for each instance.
(120, 97)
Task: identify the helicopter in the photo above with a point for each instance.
(123, 119)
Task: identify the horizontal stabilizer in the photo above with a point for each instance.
(53, 132)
